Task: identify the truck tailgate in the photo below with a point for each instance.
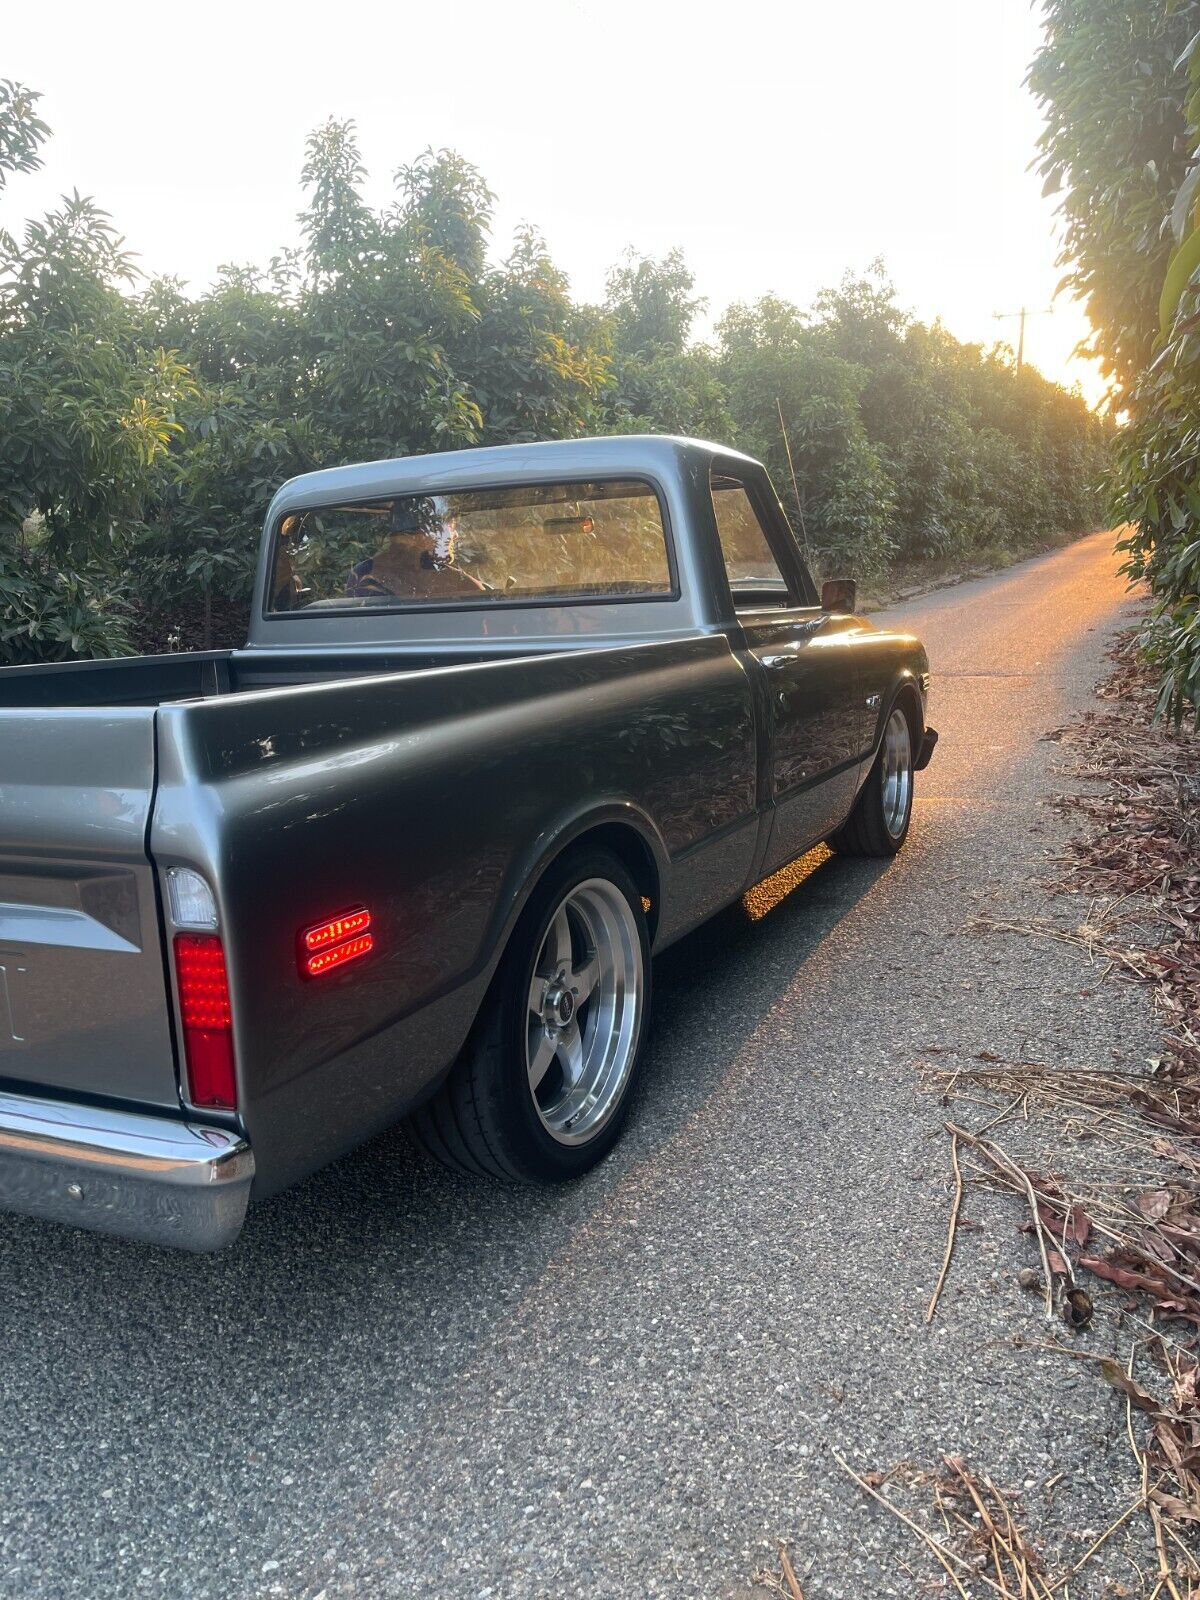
(83, 1000)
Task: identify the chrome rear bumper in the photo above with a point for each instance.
(143, 1177)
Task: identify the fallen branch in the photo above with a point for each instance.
(997, 1157)
(1097, 1544)
(999, 1540)
(789, 1573)
(951, 1231)
(944, 1555)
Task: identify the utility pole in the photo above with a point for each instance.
(1002, 316)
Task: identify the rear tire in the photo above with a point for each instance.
(543, 1088)
(879, 823)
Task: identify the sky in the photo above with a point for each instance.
(777, 145)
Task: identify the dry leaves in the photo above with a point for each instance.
(1136, 1222)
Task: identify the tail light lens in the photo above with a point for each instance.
(207, 1020)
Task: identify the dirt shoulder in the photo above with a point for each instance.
(1097, 1162)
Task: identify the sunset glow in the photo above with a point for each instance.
(778, 147)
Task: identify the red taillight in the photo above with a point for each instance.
(331, 944)
(336, 929)
(206, 1019)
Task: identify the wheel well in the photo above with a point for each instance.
(910, 703)
(635, 856)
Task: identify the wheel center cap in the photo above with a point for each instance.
(560, 1007)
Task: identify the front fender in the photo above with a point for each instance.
(906, 669)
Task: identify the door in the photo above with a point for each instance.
(817, 718)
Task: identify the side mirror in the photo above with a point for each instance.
(839, 594)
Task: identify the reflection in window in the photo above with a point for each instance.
(562, 541)
(748, 558)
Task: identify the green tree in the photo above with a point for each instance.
(534, 372)
(337, 227)
(88, 413)
(971, 447)
(144, 429)
(1115, 147)
(1119, 85)
(662, 383)
(787, 389)
(22, 131)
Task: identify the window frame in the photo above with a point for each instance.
(799, 591)
(484, 604)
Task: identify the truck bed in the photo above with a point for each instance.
(201, 674)
(299, 781)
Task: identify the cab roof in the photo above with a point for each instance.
(493, 466)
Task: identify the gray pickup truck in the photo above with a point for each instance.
(508, 722)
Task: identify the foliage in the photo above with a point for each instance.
(788, 389)
(1120, 87)
(22, 131)
(143, 429)
(659, 382)
(1115, 146)
(48, 614)
(979, 455)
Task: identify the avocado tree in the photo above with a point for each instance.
(144, 427)
(1119, 84)
(88, 412)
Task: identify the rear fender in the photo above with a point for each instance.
(526, 869)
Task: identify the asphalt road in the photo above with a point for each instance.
(408, 1384)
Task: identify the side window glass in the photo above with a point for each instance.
(753, 572)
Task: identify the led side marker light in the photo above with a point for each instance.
(327, 945)
(338, 955)
(337, 929)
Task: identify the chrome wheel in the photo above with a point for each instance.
(896, 773)
(585, 1011)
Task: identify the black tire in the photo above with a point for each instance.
(484, 1119)
(872, 829)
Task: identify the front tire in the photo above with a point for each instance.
(879, 823)
(543, 1088)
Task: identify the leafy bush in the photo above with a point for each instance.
(51, 614)
(147, 430)
(1120, 87)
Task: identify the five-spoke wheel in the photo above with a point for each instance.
(896, 774)
(585, 1003)
(878, 825)
(544, 1084)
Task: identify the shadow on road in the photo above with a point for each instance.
(712, 990)
(378, 1277)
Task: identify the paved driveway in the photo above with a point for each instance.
(410, 1384)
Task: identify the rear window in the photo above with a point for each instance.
(478, 547)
